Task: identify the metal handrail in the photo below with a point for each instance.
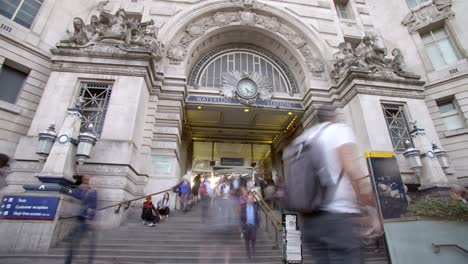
(270, 215)
(436, 247)
(127, 203)
(268, 211)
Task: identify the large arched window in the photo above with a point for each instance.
(209, 72)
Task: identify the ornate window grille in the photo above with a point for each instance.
(209, 71)
(397, 124)
(93, 101)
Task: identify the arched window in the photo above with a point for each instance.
(209, 72)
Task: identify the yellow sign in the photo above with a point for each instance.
(379, 154)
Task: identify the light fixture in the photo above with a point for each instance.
(86, 142)
(442, 157)
(199, 107)
(290, 113)
(246, 110)
(412, 155)
(46, 141)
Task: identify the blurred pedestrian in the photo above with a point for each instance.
(149, 213)
(184, 193)
(196, 187)
(334, 231)
(459, 193)
(88, 198)
(269, 193)
(4, 169)
(164, 206)
(250, 221)
(206, 193)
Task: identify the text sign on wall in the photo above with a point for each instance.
(232, 162)
(388, 183)
(28, 207)
(222, 100)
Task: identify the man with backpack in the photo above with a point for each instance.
(322, 175)
(205, 197)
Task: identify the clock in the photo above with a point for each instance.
(246, 88)
(62, 139)
(430, 154)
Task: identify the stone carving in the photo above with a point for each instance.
(231, 79)
(176, 54)
(247, 16)
(247, 4)
(371, 58)
(427, 14)
(114, 30)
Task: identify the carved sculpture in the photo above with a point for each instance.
(369, 57)
(114, 29)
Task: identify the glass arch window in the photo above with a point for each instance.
(212, 72)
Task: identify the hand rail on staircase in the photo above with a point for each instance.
(270, 215)
(436, 247)
(126, 203)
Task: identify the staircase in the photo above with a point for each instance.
(182, 238)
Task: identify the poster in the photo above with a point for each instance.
(388, 184)
(161, 164)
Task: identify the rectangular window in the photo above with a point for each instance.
(342, 11)
(451, 115)
(414, 3)
(93, 100)
(397, 124)
(22, 12)
(440, 47)
(11, 83)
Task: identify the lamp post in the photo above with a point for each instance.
(412, 155)
(86, 142)
(441, 156)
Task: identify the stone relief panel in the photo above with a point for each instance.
(427, 14)
(371, 58)
(249, 17)
(114, 34)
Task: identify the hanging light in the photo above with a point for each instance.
(86, 142)
(46, 141)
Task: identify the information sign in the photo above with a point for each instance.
(28, 207)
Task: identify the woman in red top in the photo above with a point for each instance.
(149, 213)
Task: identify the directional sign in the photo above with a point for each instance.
(28, 207)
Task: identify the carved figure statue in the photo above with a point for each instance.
(371, 56)
(79, 35)
(114, 26)
(92, 30)
(398, 62)
(343, 60)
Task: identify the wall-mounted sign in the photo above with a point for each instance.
(28, 207)
(388, 183)
(161, 164)
(234, 101)
(232, 162)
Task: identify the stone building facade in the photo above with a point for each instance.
(140, 70)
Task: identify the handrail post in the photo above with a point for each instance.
(118, 209)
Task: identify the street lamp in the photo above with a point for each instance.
(46, 141)
(86, 142)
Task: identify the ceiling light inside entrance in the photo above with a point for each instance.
(199, 107)
(290, 113)
(246, 110)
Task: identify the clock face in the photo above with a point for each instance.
(63, 139)
(246, 88)
(430, 154)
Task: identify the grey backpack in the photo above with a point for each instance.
(308, 181)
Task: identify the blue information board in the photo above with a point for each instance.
(28, 207)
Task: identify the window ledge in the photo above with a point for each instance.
(456, 132)
(348, 20)
(10, 107)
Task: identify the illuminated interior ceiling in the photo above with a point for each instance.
(236, 124)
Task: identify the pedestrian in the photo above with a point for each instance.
(250, 221)
(88, 198)
(206, 193)
(184, 193)
(164, 206)
(334, 231)
(4, 169)
(149, 213)
(458, 193)
(195, 188)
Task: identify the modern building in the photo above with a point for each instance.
(176, 88)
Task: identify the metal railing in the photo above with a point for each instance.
(270, 217)
(436, 247)
(119, 205)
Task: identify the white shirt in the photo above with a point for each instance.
(334, 136)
